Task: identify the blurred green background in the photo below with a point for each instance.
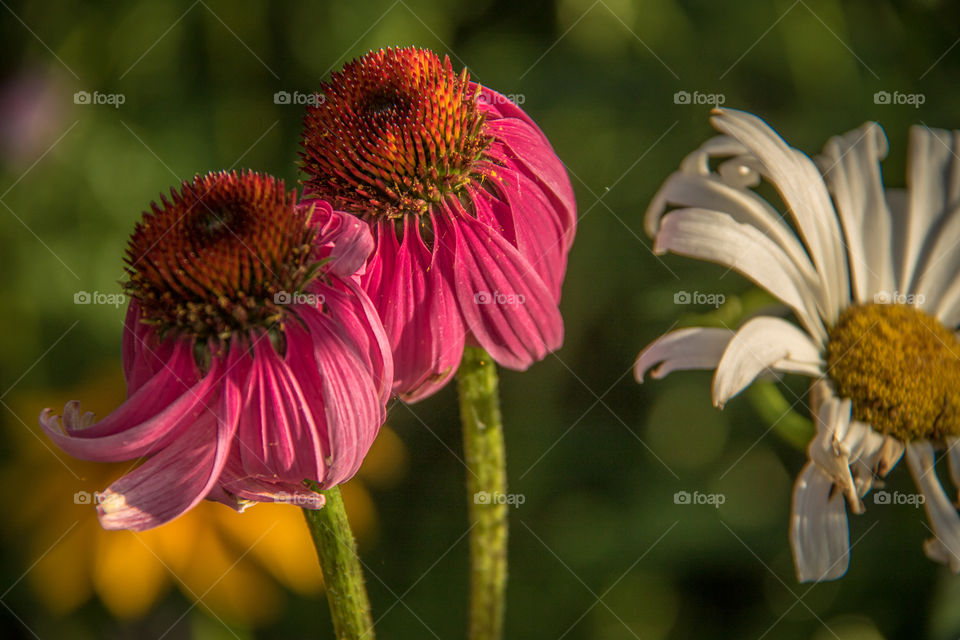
(599, 547)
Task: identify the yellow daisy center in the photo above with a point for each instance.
(901, 369)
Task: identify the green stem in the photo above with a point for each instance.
(342, 575)
(486, 492)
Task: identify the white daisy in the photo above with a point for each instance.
(873, 279)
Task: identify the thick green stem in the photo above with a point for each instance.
(342, 575)
(486, 492)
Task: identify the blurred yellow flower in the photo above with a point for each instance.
(237, 567)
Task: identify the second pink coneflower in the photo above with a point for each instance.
(253, 360)
(472, 212)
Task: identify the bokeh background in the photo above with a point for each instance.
(599, 548)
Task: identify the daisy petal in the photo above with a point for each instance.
(709, 192)
(763, 343)
(851, 165)
(351, 407)
(683, 349)
(933, 181)
(819, 531)
(945, 545)
(716, 237)
(805, 194)
(830, 448)
(144, 354)
(344, 240)
(953, 455)
(137, 424)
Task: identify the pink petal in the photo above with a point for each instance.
(531, 223)
(159, 403)
(343, 239)
(358, 324)
(173, 481)
(137, 439)
(508, 309)
(527, 144)
(415, 301)
(144, 354)
(236, 482)
(352, 409)
(277, 436)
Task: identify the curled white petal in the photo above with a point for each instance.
(684, 190)
(692, 348)
(763, 343)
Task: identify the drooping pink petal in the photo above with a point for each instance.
(530, 223)
(415, 301)
(358, 324)
(155, 399)
(351, 406)
(117, 442)
(179, 476)
(508, 309)
(277, 436)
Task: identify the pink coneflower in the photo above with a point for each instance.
(253, 360)
(473, 213)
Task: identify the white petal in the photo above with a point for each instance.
(945, 546)
(709, 192)
(889, 455)
(829, 448)
(947, 309)
(953, 455)
(819, 531)
(851, 165)
(938, 278)
(698, 162)
(864, 456)
(800, 184)
(716, 237)
(933, 181)
(693, 348)
(762, 343)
